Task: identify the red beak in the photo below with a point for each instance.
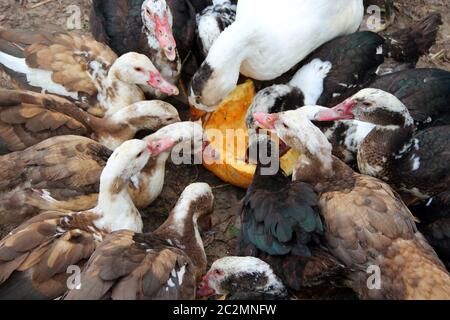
(158, 82)
(342, 111)
(266, 120)
(165, 37)
(204, 290)
(159, 146)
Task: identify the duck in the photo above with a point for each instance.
(35, 257)
(367, 225)
(414, 163)
(261, 46)
(63, 173)
(424, 91)
(212, 21)
(163, 30)
(172, 256)
(281, 224)
(27, 118)
(345, 65)
(242, 278)
(79, 68)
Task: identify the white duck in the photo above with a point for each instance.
(267, 39)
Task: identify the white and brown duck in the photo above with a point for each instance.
(417, 164)
(34, 258)
(27, 118)
(366, 223)
(79, 68)
(172, 256)
(63, 173)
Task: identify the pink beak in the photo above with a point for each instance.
(159, 146)
(342, 111)
(165, 37)
(158, 82)
(266, 120)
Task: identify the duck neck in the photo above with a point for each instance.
(152, 178)
(268, 172)
(88, 120)
(115, 205)
(310, 168)
(383, 147)
(229, 51)
(183, 228)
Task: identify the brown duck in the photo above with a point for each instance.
(367, 226)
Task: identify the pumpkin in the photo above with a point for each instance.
(227, 133)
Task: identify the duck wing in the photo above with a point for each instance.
(354, 59)
(25, 121)
(58, 173)
(67, 55)
(136, 266)
(34, 258)
(282, 222)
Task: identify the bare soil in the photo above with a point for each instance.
(220, 240)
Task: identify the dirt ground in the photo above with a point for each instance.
(221, 239)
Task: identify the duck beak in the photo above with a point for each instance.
(158, 82)
(266, 120)
(165, 37)
(159, 146)
(342, 111)
(204, 290)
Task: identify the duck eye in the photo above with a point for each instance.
(367, 104)
(138, 69)
(285, 126)
(139, 154)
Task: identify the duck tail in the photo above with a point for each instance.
(409, 44)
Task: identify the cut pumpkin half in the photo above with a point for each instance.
(227, 133)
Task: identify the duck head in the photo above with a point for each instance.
(135, 68)
(158, 22)
(299, 133)
(373, 106)
(212, 82)
(233, 275)
(274, 99)
(187, 136)
(132, 155)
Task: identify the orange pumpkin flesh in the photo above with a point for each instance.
(226, 130)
